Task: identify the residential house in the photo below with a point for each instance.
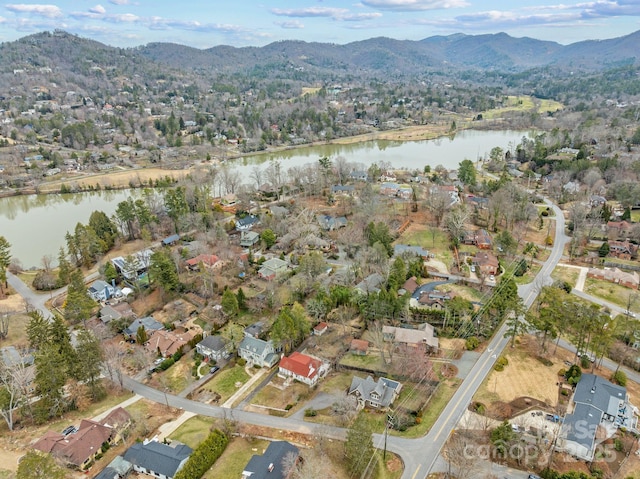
(616, 276)
(359, 347)
(477, 202)
(108, 314)
(486, 263)
(119, 468)
(170, 240)
(101, 290)
(158, 459)
(619, 229)
(167, 343)
(132, 267)
(435, 299)
(422, 335)
(303, 368)
(80, 448)
(258, 352)
(271, 464)
(214, 348)
(597, 200)
(119, 420)
(246, 223)
(249, 238)
(389, 189)
(208, 260)
(320, 328)
(330, 223)
(405, 192)
(409, 286)
(254, 330)
(482, 239)
(343, 189)
(148, 323)
(359, 175)
(271, 268)
(278, 211)
(379, 395)
(599, 409)
(623, 250)
(370, 284)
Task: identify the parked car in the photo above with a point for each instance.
(214, 370)
(534, 476)
(69, 430)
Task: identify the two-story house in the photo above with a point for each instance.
(258, 352)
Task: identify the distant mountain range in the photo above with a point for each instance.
(499, 52)
(376, 56)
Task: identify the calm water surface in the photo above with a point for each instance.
(35, 225)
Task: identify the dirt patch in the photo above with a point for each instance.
(147, 303)
(13, 302)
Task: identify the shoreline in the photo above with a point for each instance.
(140, 177)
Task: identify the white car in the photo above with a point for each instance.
(492, 277)
(629, 313)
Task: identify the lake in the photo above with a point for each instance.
(35, 225)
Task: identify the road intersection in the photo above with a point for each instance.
(420, 455)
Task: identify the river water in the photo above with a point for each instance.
(35, 225)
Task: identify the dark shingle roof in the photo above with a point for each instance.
(158, 457)
(260, 466)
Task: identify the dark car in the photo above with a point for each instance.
(214, 370)
(69, 430)
(533, 476)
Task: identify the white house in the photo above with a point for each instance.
(302, 368)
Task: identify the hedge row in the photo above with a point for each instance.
(204, 456)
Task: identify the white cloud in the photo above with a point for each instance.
(48, 11)
(310, 12)
(291, 25)
(98, 9)
(119, 2)
(122, 18)
(414, 5)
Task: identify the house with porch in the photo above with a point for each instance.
(303, 368)
(249, 238)
(376, 394)
(271, 268)
(213, 347)
(623, 250)
(101, 290)
(158, 459)
(258, 352)
(148, 323)
(486, 263)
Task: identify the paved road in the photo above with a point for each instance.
(419, 455)
(36, 300)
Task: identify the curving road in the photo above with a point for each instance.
(419, 455)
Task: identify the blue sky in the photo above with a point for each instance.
(203, 24)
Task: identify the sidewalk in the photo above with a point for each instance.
(581, 277)
(252, 380)
(123, 404)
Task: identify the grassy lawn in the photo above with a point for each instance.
(194, 431)
(523, 103)
(465, 292)
(335, 382)
(562, 273)
(235, 457)
(224, 382)
(274, 397)
(614, 293)
(4, 474)
(178, 376)
(371, 360)
(17, 335)
(433, 239)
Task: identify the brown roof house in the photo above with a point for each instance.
(320, 328)
(615, 275)
(623, 250)
(423, 335)
(486, 262)
(359, 347)
(619, 229)
(167, 343)
(80, 448)
(369, 393)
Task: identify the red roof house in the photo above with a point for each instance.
(302, 368)
(320, 328)
(208, 260)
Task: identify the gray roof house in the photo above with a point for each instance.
(272, 268)
(257, 351)
(331, 223)
(158, 459)
(270, 464)
(424, 334)
(108, 314)
(148, 323)
(246, 223)
(600, 408)
(254, 330)
(370, 284)
(370, 393)
(248, 238)
(101, 290)
(116, 469)
(213, 347)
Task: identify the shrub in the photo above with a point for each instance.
(288, 406)
(562, 372)
(617, 444)
(573, 374)
(619, 377)
(584, 361)
(204, 456)
(310, 412)
(241, 361)
(501, 362)
(471, 343)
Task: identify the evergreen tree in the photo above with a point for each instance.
(37, 330)
(79, 305)
(358, 448)
(5, 260)
(163, 271)
(88, 364)
(64, 269)
(229, 303)
(242, 300)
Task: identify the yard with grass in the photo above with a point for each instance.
(235, 457)
(567, 274)
(225, 382)
(276, 395)
(193, 431)
(613, 293)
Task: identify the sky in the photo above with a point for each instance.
(208, 23)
